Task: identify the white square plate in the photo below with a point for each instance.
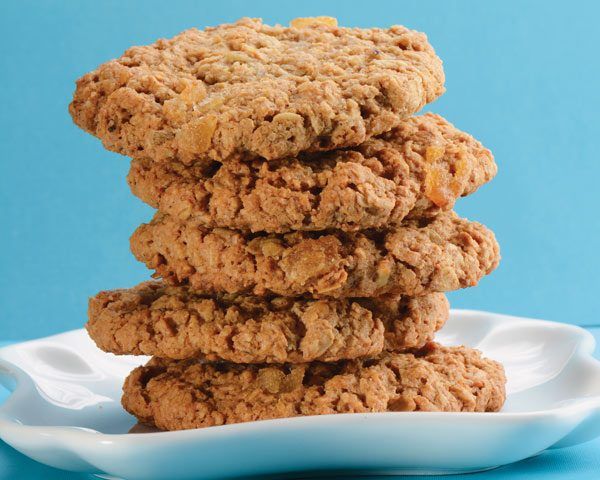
(65, 412)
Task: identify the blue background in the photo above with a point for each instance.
(523, 77)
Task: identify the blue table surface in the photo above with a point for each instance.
(580, 462)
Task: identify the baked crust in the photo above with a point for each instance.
(176, 395)
(419, 168)
(174, 322)
(247, 90)
(424, 255)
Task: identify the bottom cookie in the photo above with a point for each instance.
(183, 394)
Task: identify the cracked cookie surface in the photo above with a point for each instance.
(439, 254)
(419, 168)
(176, 395)
(248, 90)
(174, 322)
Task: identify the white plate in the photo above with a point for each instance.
(65, 412)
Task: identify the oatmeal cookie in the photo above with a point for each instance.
(183, 394)
(247, 90)
(174, 322)
(419, 168)
(437, 254)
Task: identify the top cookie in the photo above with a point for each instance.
(246, 90)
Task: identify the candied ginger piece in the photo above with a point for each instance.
(443, 187)
(304, 22)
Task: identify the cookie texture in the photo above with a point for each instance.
(246, 90)
(175, 395)
(419, 168)
(174, 322)
(438, 254)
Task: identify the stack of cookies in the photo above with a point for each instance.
(304, 234)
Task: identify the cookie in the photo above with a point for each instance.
(438, 254)
(174, 322)
(419, 168)
(248, 90)
(183, 394)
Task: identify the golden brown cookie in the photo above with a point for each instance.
(419, 168)
(423, 255)
(176, 395)
(174, 322)
(247, 90)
